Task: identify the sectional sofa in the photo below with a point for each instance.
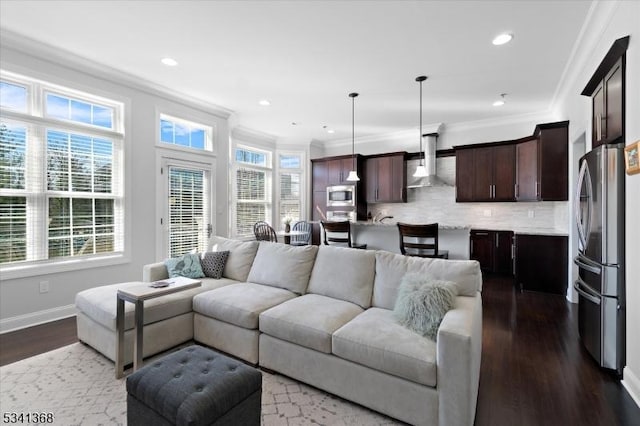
(322, 316)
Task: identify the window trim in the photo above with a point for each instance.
(303, 186)
(34, 116)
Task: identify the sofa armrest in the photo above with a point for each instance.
(154, 272)
(459, 349)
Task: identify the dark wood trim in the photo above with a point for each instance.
(547, 126)
(536, 132)
(387, 154)
(336, 157)
(439, 154)
(618, 49)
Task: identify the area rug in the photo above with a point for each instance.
(77, 386)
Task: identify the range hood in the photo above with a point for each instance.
(431, 179)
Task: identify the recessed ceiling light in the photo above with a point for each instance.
(293, 123)
(500, 101)
(264, 102)
(331, 131)
(170, 62)
(502, 39)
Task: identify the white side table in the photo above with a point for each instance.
(137, 295)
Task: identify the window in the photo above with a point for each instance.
(185, 133)
(252, 189)
(61, 174)
(290, 191)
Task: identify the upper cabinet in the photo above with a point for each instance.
(386, 178)
(485, 172)
(606, 89)
(542, 164)
(334, 171)
(534, 168)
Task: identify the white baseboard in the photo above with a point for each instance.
(631, 384)
(36, 318)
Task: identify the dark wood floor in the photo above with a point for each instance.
(534, 369)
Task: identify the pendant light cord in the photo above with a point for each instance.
(353, 131)
(420, 135)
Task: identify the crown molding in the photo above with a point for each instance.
(595, 24)
(530, 117)
(64, 58)
(245, 134)
(401, 135)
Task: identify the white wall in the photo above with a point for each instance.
(21, 303)
(608, 22)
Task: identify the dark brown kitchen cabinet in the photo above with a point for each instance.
(607, 91)
(338, 171)
(386, 178)
(334, 171)
(493, 249)
(541, 263)
(485, 173)
(542, 164)
(464, 175)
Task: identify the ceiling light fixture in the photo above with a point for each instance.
(500, 101)
(421, 170)
(264, 102)
(331, 131)
(170, 62)
(353, 174)
(502, 39)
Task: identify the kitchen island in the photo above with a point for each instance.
(385, 236)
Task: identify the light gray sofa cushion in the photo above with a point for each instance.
(99, 303)
(284, 266)
(375, 339)
(391, 268)
(241, 255)
(240, 304)
(345, 274)
(308, 320)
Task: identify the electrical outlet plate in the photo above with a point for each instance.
(487, 212)
(44, 286)
(531, 214)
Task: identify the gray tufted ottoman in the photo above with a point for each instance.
(194, 386)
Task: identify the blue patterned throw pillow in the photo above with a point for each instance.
(184, 266)
(213, 263)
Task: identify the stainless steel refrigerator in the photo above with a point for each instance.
(600, 284)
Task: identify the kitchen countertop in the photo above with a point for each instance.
(390, 223)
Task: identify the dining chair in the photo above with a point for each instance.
(264, 232)
(304, 238)
(420, 240)
(339, 233)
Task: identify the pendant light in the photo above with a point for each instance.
(421, 170)
(353, 174)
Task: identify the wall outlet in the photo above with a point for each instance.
(44, 286)
(487, 212)
(531, 214)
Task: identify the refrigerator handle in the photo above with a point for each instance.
(586, 267)
(589, 297)
(578, 212)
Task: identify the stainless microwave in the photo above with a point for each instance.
(341, 196)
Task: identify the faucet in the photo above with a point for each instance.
(385, 217)
(380, 216)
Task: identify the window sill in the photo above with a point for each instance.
(45, 268)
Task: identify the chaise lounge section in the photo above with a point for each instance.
(324, 316)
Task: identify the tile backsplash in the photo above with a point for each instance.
(437, 204)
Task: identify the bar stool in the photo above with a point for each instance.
(343, 231)
(417, 246)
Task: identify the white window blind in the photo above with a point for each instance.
(252, 191)
(290, 187)
(61, 173)
(188, 210)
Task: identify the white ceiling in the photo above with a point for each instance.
(306, 56)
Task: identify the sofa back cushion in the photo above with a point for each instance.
(284, 266)
(241, 255)
(345, 274)
(391, 268)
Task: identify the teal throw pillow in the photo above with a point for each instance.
(422, 303)
(184, 266)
